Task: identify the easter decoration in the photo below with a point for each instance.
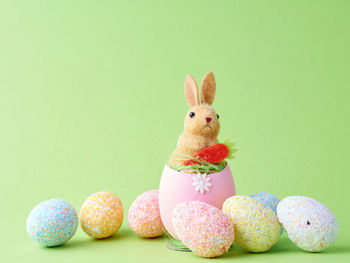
(256, 226)
(101, 215)
(268, 200)
(196, 203)
(203, 228)
(309, 224)
(144, 216)
(52, 223)
(197, 170)
(198, 149)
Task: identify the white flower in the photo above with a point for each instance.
(201, 182)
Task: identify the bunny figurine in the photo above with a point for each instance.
(201, 122)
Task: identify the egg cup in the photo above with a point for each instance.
(177, 187)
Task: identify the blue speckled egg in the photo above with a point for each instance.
(52, 222)
(268, 200)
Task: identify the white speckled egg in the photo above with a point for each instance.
(203, 228)
(308, 223)
(256, 226)
(144, 216)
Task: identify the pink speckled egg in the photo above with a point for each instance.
(203, 228)
(177, 187)
(144, 217)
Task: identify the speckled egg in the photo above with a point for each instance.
(52, 223)
(308, 223)
(256, 227)
(144, 216)
(203, 228)
(101, 215)
(268, 200)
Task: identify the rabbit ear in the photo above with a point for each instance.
(191, 91)
(208, 87)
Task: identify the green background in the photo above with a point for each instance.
(91, 99)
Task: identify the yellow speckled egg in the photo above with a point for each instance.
(256, 227)
(101, 215)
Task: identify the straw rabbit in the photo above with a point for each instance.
(201, 122)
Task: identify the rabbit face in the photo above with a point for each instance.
(202, 120)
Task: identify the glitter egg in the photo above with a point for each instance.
(52, 222)
(268, 200)
(308, 223)
(203, 228)
(256, 226)
(144, 216)
(101, 215)
(178, 187)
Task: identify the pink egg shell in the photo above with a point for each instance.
(177, 187)
(203, 228)
(144, 217)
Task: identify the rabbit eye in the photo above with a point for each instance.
(192, 114)
(217, 116)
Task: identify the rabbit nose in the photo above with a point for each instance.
(208, 119)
